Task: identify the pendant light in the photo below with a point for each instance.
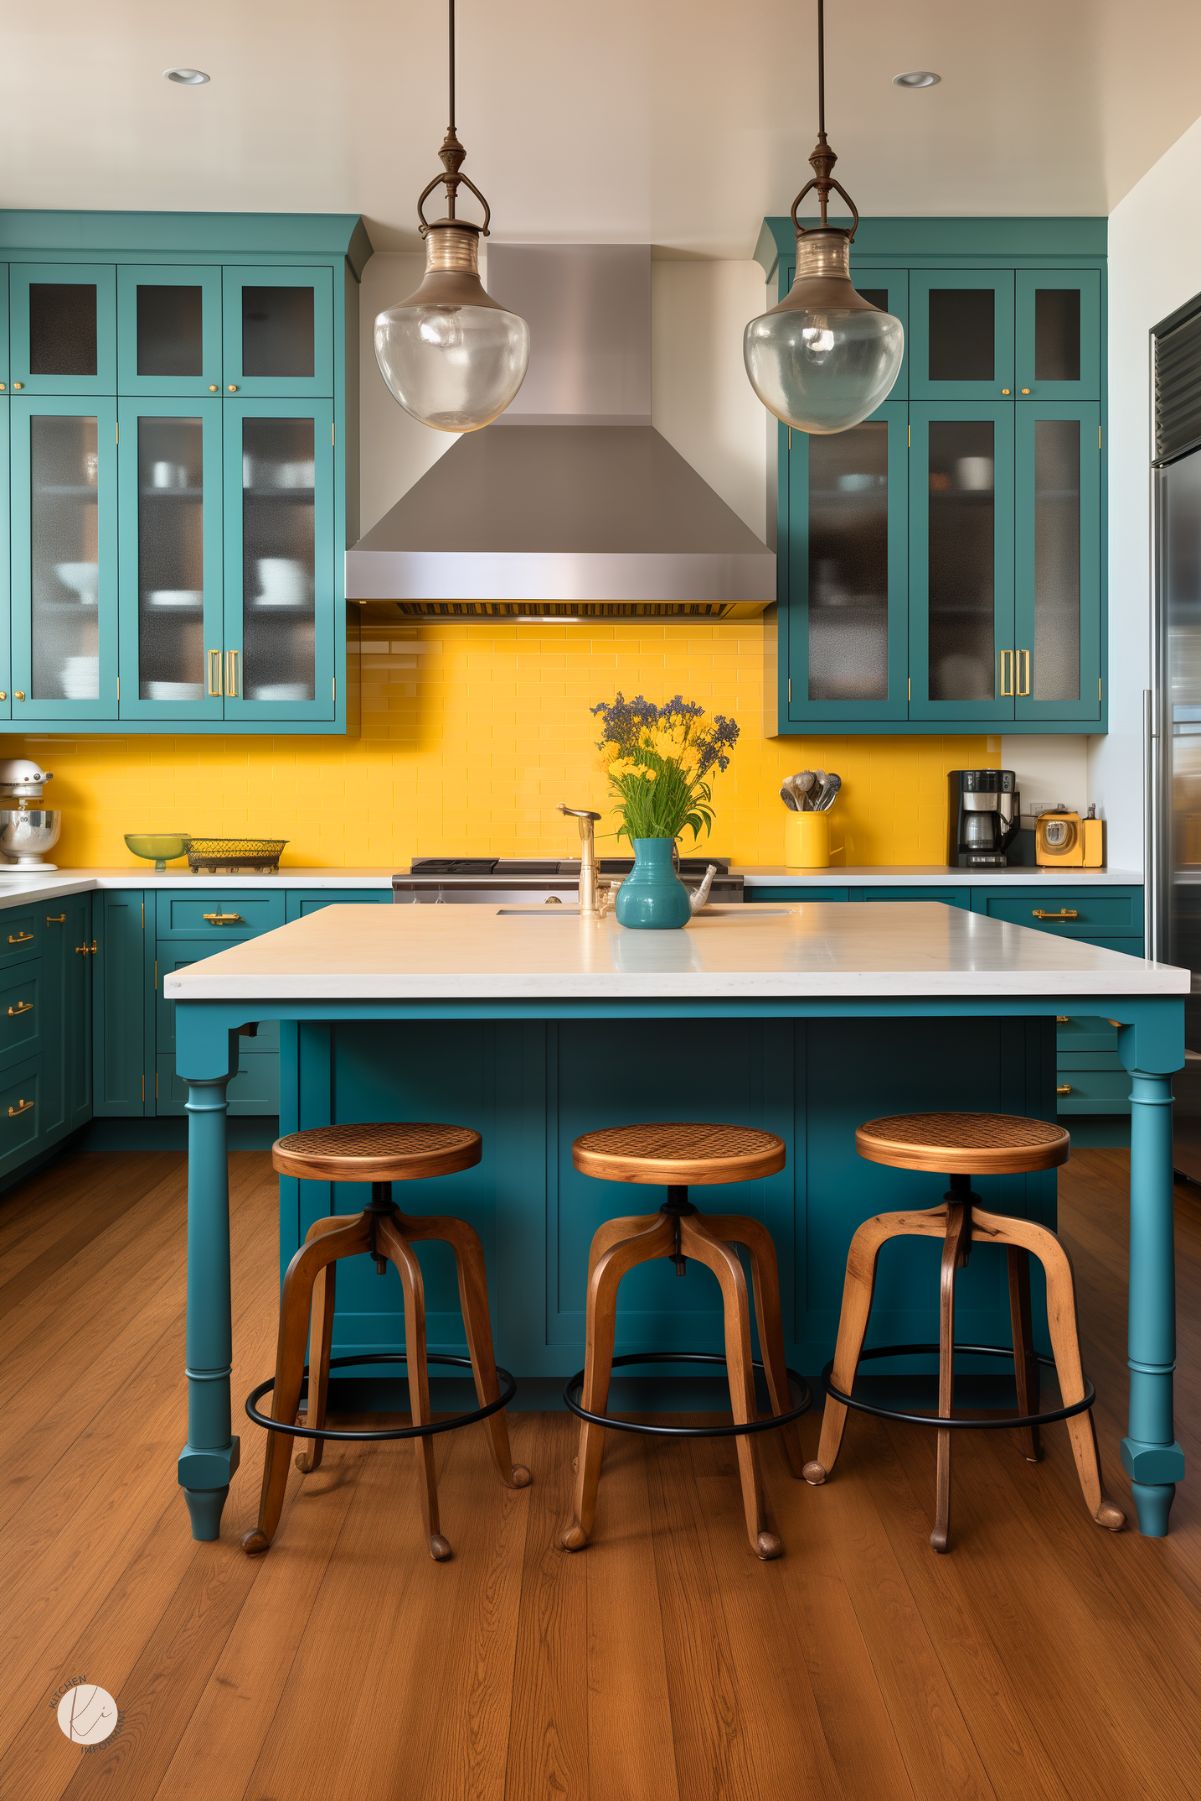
(824, 357)
(452, 356)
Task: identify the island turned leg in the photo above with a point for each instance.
(210, 1457)
(1150, 1455)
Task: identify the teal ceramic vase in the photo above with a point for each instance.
(652, 897)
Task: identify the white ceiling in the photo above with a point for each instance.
(678, 122)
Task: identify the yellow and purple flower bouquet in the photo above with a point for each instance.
(659, 760)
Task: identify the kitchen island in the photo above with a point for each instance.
(804, 1019)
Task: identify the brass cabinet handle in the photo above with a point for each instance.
(1023, 688)
(56, 919)
(82, 950)
(20, 937)
(93, 948)
(233, 387)
(3, 693)
(231, 673)
(214, 674)
(18, 384)
(3, 385)
(1059, 913)
(213, 388)
(1063, 1088)
(21, 1106)
(18, 694)
(1063, 1019)
(21, 1007)
(1007, 675)
(1007, 390)
(225, 919)
(1025, 390)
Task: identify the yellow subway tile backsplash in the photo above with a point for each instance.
(470, 737)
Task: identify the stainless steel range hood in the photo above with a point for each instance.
(571, 504)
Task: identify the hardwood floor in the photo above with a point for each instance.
(1043, 1658)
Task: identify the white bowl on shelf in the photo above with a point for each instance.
(280, 691)
(174, 691)
(283, 581)
(82, 578)
(181, 599)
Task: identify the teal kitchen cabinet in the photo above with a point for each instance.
(278, 332)
(62, 328)
(224, 352)
(6, 705)
(961, 555)
(123, 1003)
(300, 905)
(63, 573)
(45, 1028)
(3, 328)
(255, 1088)
(969, 592)
(67, 957)
(170, 579)
(169, 331)
(961, 327)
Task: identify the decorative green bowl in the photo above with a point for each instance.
(159, 848)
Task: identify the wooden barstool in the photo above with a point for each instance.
(381, 1155)
(678, 1157)
(963, 1145)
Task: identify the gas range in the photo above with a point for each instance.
(499, 881)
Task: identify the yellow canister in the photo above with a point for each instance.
(807, 841)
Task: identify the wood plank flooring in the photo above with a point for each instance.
(1042, 1659)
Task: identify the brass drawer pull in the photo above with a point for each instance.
(1007, 675)
(1063, 1088)
(214, 683)
(1058, 913)
(1063, 1019)
(21, 1107)
(56, 919)
(1023, 687)
(225, 919)
(21, 1007)
(20, 937)
(231, 674)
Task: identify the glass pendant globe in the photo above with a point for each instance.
(452, 357)
(824, 358)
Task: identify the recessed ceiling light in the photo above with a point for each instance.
(192, 78)
(916, 78)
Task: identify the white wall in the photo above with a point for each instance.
(1154, 267)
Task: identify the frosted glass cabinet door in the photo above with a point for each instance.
(6, 705)
(64, 559)
(279, 560)
(961, 644)
(847, 622)
(4, 329)
(278, 331)
(961, 334)
(1058, 334)
(1057, 620)
(62, 328)
(170, 559)
(169, 331)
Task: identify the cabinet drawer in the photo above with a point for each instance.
(220, 916)
(301, 904)
(1093, 913)
(20, 1114)
(22, 1009)
(20, 935)
(949, 897)
(1092, 1091)
(1081, 1036)
(175, 954)
(791, 893)
(253, 1091)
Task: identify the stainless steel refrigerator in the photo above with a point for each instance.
(1174, 705)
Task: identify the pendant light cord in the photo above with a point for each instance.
(821, 64)
(451, 11)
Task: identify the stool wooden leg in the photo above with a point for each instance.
(464, 1241)
(954, 1247)
(765, 1282)
(294, 1309)
(858, 1287)
(396, 1249)
(702, 1247)
(321, 1338)
(1025, 1365)
(1065, 1344)
(603, 1282)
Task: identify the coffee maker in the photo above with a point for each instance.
(983, 813)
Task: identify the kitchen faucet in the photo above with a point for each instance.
(589, 886)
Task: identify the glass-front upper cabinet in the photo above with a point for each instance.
(1058, 334)
(279, 560)
(169, 331)
(5, 682)
(278, 336)
(847, 650)
(3, 328)
(64, 558)
(961, 334)
(169, 507)
(1057, 516)
(62, 328)
(961, 541)
(887, 289)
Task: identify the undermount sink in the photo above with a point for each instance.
(558, 912)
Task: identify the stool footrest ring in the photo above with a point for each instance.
(574, 1386)
(1005, 1422)
(508, 1388)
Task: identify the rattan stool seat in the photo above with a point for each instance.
(679, 1155)
(974, 1144)
(391, 1152)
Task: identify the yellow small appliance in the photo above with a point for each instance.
(1063, 840)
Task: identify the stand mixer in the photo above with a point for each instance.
(27, 828)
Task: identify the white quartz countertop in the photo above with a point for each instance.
(808, 949)
(20, 890)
